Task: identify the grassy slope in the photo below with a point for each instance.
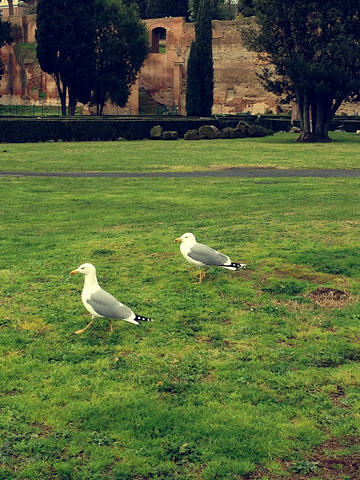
(278, 151)
(241, 372)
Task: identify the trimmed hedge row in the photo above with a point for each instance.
(21, 130)
(29, 130)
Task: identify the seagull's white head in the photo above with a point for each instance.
(186, 238)
(85, 269)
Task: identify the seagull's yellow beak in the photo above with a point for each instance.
(73, 272)
(177, 240)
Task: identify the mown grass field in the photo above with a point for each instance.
(278, 151)
(244, 376)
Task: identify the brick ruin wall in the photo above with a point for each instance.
(162, 77)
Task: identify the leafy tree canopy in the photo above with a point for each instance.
(121, 48)
(246, 7)
(313, 52)
(213, 5)
(141, 5)
(5, 33)
(65, 37)
(220, 9)
(167, 8)
(5, 38)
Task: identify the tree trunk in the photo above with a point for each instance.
(313, 138)
(300, 105)
(62, 93)
(72, 103)
(11, 7)
(306, 115)
(100, 108)
(62, 96)
(315, 116)
(333, 107)
(313, 127)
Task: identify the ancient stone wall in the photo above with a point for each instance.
(23, 81)
(236, 87)
(163, 75)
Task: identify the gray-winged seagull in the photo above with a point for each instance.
(203, 256)
(101, 304)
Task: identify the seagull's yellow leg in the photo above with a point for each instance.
(83, 330)
(201, 276)
(111, 326)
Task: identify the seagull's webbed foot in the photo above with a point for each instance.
(83, 329)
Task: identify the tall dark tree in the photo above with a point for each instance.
(167, 8)
(205, 68)
(182, 9)
(314, 49)
(141, 4)
(200, 70)
(246, 7)
(122, 46)
(65, 37)
(193, 89)
(214, 5)
(5, 38)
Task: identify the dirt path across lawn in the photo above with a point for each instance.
(229, 172)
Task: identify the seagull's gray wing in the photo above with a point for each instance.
(107, 306)
(207, 255)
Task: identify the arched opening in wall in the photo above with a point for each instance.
(158, 40)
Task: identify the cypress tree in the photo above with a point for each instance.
(203, 40)
(193, 89)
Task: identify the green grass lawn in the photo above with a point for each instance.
(278, 151)
(244, 376)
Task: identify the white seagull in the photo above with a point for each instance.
(101, 304)
(203, 256)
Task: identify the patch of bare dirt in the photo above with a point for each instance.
(330, 297)
(328, 462)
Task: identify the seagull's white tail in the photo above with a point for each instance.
(130, 320)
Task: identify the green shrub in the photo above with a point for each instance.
(227, 132)
(256, 131)
(191, 135)
(170, 135)
(209, 132)
(156, 132)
